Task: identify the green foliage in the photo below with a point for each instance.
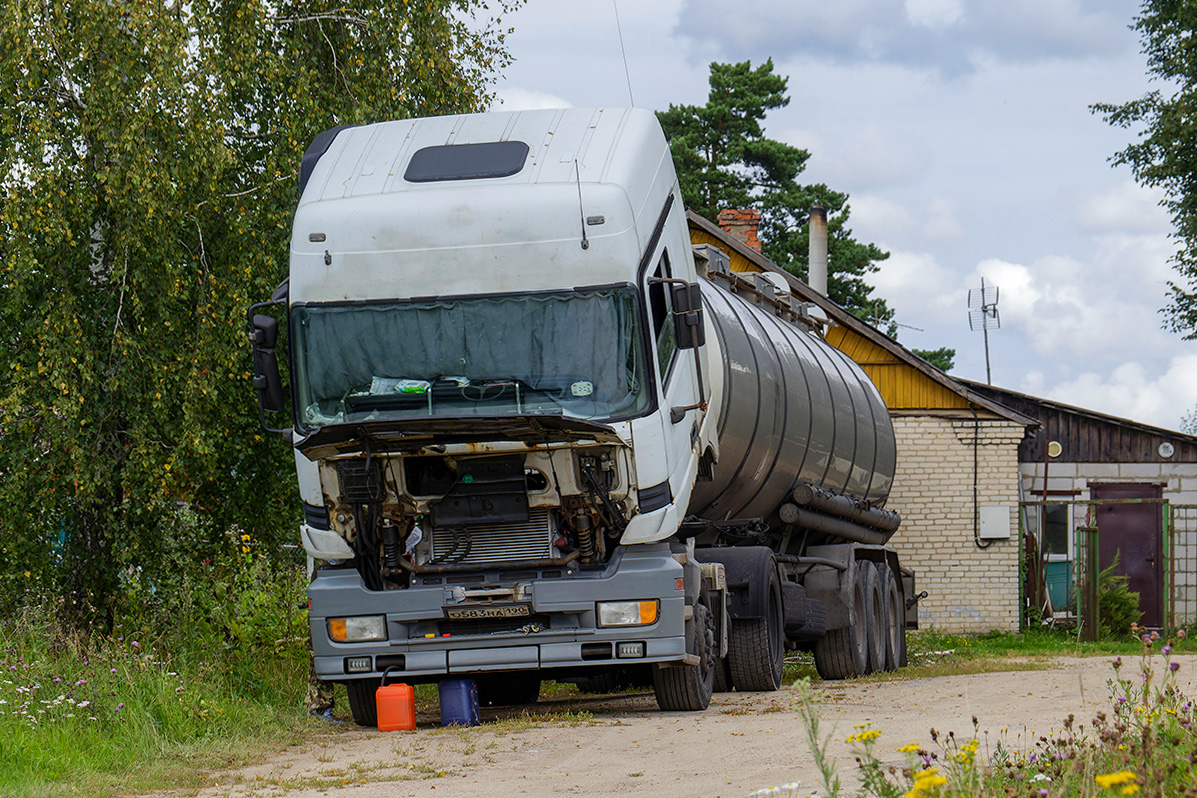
(943, 358)
(1165, 153)
(154, 703)
(724, 160)
(1118, 604)
(149, 160)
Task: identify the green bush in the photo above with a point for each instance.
(1119, 605)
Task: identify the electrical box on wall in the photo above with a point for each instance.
(995, 522)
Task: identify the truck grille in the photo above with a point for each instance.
(497, 544)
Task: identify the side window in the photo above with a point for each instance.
(661, 312)
(1056, 531)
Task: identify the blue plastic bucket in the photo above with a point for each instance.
(459, 702)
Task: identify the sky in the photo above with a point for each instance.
(961, 131)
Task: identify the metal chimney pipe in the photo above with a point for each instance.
(817, 272)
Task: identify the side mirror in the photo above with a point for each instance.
(688, 321)
(268, 382)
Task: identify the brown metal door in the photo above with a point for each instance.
(1135, 533)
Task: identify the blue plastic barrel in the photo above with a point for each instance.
(459, 702)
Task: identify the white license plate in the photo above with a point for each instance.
(498, 611)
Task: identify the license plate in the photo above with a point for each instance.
(498, 611)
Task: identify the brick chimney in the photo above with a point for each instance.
(742, 224)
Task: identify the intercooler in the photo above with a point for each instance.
(496, 544)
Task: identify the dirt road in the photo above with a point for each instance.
(619, 746)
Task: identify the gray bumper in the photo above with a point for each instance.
(560, 632)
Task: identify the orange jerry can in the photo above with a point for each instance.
(395, 705)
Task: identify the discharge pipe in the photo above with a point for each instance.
(845, 507)
(830, 525)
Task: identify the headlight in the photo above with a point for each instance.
(359, 629)
(627, 613)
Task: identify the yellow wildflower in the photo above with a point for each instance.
(910, 748)
(925, 782)
(1116, 779)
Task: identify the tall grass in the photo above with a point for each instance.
(179, 687)
(1146, 745)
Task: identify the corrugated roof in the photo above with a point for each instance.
(1080, 411)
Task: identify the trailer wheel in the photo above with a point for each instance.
(508, 689)
(756, 646)
(688, 688)
(723, 680)
(895, 620)
(362, 702)
(876, 626)
(843, 653)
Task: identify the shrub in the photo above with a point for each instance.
(1119, 605)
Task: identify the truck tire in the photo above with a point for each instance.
(843, 653)
(508, 689)
(895, 617)
(688, 688)
(723, 681)
(756, 646)
(876, 626)
(362, 702)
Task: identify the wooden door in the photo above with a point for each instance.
(1135, 533)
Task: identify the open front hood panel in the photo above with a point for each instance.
(411, 435)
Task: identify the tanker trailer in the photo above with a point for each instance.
(532, 442)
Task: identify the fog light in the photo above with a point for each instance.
(627, 613)
(358, 665)
(629, 650)
(358, 629)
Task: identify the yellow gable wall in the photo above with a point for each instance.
(902, 386)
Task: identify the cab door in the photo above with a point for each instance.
(677, 377)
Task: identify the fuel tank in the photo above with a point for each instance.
(794, 409)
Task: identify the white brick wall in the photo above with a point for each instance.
(969, 589)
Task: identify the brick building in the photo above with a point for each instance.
(1135, 484)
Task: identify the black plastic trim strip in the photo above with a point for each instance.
(647, 258)
(315, 151)
(316, 517)
(655, 497)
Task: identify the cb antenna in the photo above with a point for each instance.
(627, 74)
(983, 316)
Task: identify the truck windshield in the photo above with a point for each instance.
(573, 353)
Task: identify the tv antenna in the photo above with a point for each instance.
(983, 316)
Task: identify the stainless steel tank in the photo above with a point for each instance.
(795, 409)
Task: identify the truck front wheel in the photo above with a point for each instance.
(362, 703)
(688, 688)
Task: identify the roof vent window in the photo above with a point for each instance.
(466, 161)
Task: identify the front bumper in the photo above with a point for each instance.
(560, 630)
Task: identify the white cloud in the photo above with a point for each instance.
(1129, 391)
(883, 218)
(871, 158)
(1126, 207)
(933, 13)
(918, 288)
(944, 35)
(939, 223)
(514, 98)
